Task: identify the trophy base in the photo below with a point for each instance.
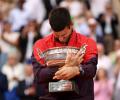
(63, 86)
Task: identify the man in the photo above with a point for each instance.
(19, 16)
(80, 68)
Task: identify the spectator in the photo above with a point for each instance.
(103, 87)
(113, 54)
(8, 41)
(96, 7)
(8, 38)
(109, 23)
(36, 9)
(103, 60)
(14, 72)
(49, 5)
(5, 7)
(29, 34)
(75, 7)
(19, 16)
(45, 28)
(95, 30)
(26, 89)
(81, 23)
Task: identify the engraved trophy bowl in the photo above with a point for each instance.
(56, 56)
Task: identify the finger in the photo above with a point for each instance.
(78, 54)
(55, 77)
(81, 56)
(66, 77)
(73, 54)
(60, 68)
(59, 72)
(80, 61)
(68, 57)
(68, 52)
(60, 76)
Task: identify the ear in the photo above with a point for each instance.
(70, 25)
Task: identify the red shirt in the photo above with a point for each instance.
(76, 40)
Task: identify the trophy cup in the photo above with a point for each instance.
(56, 57)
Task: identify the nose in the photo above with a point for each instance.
(61, 38)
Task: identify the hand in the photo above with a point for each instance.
(30, 91)
(66, 73)
(74, 59)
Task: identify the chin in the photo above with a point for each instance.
(63, 42)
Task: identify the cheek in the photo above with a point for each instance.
(11, 61)
(66, 35)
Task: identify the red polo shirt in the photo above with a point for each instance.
(76, 40)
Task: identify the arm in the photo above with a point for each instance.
(42, 73)
(85, 71)
(14, 43)
(89, 65)
(89, 68)
(74, 67)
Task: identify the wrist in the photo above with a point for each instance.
(77, 70)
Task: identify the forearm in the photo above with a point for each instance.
(88, 69)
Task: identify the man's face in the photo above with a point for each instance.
(64, 35)
(28, 70)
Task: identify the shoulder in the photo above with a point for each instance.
(43, 41)
(85, 40)
(40, 46)
(91, 49)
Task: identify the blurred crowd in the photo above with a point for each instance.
(23, 22)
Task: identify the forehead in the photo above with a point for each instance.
(60, 33)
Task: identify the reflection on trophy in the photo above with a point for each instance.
(57, 57)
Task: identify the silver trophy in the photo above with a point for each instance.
(56, 57)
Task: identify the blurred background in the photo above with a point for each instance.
(22, 22)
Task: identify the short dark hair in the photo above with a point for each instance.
(59, 18)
